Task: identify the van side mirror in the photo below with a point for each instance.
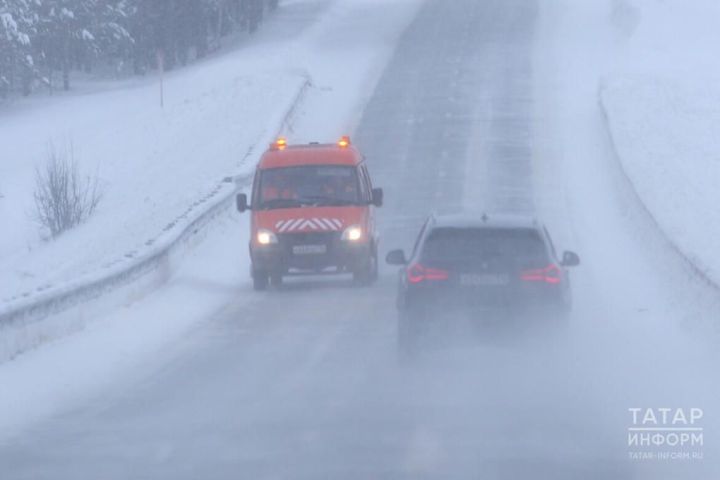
(377, 197)
(241, 202)
(396, 257)
(570, 259)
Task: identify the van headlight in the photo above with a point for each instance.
(353, 233)
(266, 237)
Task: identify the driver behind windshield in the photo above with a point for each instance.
(277, 186)
(311, 185)
(341, 188)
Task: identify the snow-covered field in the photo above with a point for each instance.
(154, 163)
(662, 100)
(189, 152)
(105, 352)
(205, 375)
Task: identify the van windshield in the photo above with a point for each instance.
(311, 185)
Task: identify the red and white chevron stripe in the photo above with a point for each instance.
(311, 224)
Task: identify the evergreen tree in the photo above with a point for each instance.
(62, 35)
(17, 27)
(108, 25)
(39, 38)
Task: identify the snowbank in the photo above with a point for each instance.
(153, 165)
(53, 311)
(117, 349)
(168, 171)
(208, 271)
(662, 102)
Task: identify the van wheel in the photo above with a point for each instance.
(376, 267)
(368, 273)
(260, 280)
(276, 280)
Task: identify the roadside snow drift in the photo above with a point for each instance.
(170, 159)
(662, 102)
(155, 163)
(152, 164)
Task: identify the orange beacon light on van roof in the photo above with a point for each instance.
(279, 144)
(344, 141)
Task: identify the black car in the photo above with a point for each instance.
(480, 264)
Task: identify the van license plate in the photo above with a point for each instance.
(309, 249)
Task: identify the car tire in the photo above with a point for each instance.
(260, 280)
(276, 280)
(408, 336)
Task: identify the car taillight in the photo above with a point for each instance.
(417, 273)
(550, 274)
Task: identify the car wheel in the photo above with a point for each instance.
(260, 280)
(276, 280)
(408, 336)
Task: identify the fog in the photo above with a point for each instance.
(496, 106)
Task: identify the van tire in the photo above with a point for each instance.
(368, 273)
(260, 280)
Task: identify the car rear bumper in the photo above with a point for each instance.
(438, 303)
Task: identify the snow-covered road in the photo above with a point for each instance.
(493, 106)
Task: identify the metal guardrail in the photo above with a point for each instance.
(34, 307)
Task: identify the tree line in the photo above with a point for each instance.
(44, 39)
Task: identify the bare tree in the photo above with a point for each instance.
(63, 198)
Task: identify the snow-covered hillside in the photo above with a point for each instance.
(663, 104)
(154, 163)
(256, 83)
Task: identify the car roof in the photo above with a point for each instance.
(483, 220)
(310, 154)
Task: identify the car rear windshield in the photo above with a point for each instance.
(322, 185)
(467, 244)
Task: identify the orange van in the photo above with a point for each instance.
(313, 212)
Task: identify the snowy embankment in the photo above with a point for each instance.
(154, 165)
(662, 103)
(210, 268)
(164, 171)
